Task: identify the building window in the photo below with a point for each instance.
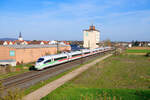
(11, 53)
(87, 34)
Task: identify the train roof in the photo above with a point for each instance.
(72, 52)
(86, 50)
(60, 55)
(75, 52)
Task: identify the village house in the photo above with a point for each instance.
(52, 42)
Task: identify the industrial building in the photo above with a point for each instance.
(28, 53)
(91, 38)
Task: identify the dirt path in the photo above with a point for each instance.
(45, 90)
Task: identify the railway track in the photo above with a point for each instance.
(27, 79)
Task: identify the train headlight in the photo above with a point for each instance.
(38, 65)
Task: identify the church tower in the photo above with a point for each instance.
(20, 37)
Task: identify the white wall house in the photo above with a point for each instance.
(52, 42)
(10, 43)
(130, 45)
(42, 42)
(24, 42)
(62, 43)
(5, 43)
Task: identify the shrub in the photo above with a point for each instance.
(14, 94)
(8, 69)
(117, 52)
(148, 54)
(1, 89)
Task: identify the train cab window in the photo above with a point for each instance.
(47, 61)
(40, 60)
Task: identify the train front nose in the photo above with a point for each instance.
(38, 65)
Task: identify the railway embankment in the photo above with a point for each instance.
(43, 91)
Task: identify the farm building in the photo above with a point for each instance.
(28, 53)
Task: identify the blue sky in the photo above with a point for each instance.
(118, 20)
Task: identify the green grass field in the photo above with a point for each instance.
(124, 77)
(137, 51)
(75, 93)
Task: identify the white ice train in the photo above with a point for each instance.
(51, 60)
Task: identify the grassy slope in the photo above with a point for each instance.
(125, 76)
(75, 93)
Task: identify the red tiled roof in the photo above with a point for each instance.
(67, 43)
(13, 42)
(8, 42)
(45, 42)
(19, 42)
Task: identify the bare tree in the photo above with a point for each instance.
(107, 42)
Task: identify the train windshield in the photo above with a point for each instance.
(40, 59)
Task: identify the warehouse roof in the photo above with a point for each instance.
(31, 46)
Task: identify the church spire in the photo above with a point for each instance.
(20, 37)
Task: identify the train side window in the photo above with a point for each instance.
(47, 61)
(86, 52)
(76, 55)
(60, 58)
